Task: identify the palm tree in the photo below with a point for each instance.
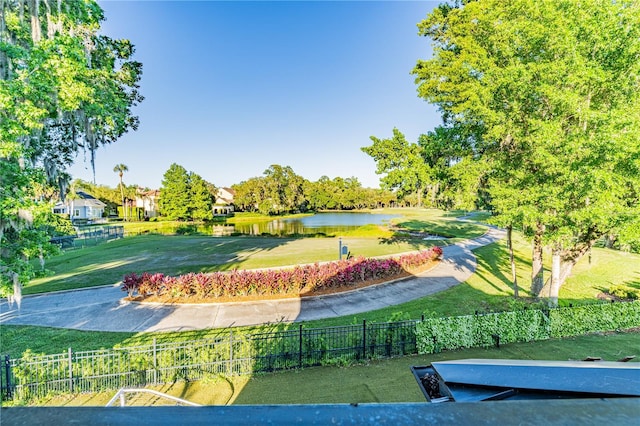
(120, 169)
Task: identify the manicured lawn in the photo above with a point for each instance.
(377, 381)
(489, 289)
(109, 262)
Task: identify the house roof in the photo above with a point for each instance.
(84, 199)
(225, 196)
(84, 195)
(93, 202)
(150, 193)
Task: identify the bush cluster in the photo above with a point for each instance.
(624, 292)
(301, 279)
(437, 334)
(594, 318)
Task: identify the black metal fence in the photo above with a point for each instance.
(87, 236)
(332, 345)
(229, 354)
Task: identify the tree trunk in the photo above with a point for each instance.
(434, 193)
(537, 270)
(610, 240)
(571, 257)
(4, 60)
(514, 277)
(554, 288)
(124, 209)
(562, 265)
(34, 11)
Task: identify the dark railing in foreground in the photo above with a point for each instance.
(230, 354)
(238, 353)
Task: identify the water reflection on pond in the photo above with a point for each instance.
(320, 223)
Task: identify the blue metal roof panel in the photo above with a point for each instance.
(603, 378)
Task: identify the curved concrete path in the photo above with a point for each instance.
(103, 309)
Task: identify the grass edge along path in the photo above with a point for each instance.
(378, 381)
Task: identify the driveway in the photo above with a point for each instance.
(103, 309)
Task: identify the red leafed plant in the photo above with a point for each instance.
(131, 283)
(307, 278)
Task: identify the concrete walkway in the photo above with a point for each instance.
(103, 308)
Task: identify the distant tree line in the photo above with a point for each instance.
(187, 196)
(280, 191)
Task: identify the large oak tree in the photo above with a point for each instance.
(552, 89)
(64, 89)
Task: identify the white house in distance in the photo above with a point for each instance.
(148, 201)
(84, 207)
(223, 205)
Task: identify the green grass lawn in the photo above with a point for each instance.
(173, 255)
(383, 381)
(487, 290)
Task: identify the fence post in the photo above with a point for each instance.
(70, 372)
(300, 348)
(155, 362)
(230, 364)
(7, 371)
(364, 339)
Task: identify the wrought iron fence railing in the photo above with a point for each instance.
(235, 353)
(229, 354)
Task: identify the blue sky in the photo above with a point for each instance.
(233, 87)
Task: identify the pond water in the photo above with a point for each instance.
(319, 223)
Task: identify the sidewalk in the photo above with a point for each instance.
(103, 308)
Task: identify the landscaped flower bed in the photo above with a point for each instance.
(300, 280)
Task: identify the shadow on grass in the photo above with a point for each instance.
(627, 291)
(445, 228)
(170, 255)
(495, 262)
(634, 284)
(402, 238)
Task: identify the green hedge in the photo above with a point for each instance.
(594, 318)
(436, 334)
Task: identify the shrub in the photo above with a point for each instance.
(131, 283)
(151, 284)
(594, 318)
(624, 292)
(340, 274)
(436, 334)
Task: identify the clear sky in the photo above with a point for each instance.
(232, 87)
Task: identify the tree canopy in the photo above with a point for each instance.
(440, 166)
(401, 163)
(280, 190)
(186, 195)
(64, 89)
(548, 93)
